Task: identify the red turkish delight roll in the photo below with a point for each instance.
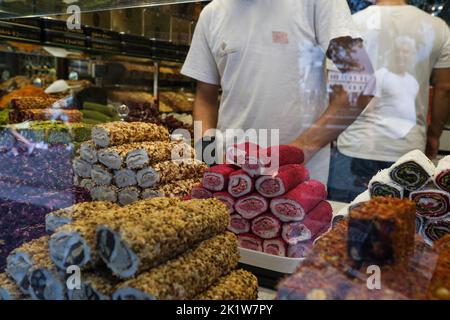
(226, 198)
(244, 153)
(294, 205)
(250, 241)
(299, 250)
(238, 224)
(431, 203)
(251, 206)
(276, 247)
(198, 192)
(285, 179)
(266, 226)
(216, 178)
(315, 223)
(240, 184)
(275, 157)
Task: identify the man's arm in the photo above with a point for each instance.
(440, 112)
(348, 55)
(206, 107)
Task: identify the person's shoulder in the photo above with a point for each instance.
(361, 16)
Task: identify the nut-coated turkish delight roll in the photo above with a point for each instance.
(129, 246)
(82, 210)
(276, 247)
(240, 184)
(382, 185)
(125, 178)
(294, 205)
(251, 206)
(114, 157)
(442, 174)
(266, 226)
(435, 230)
(413, 171)
(238, 285)
(151, 194)
(82, 168)
(94, 286)
(104, 193)
(34, 102)
(431, 203)
(129, 195)
(46, 282)
(20, 261)
(74, 244)
(382, 231)
(250, 241)
(198, 192)
(186, 276)
(316, 222)
(178, 188)
(238, 224)
(88, 152)
(9, 289)
(216, 178)
(147, 177)
(118, 133)
(179, 170)
(282, 181)
(87, 184)
(227, 199)
(100, 175)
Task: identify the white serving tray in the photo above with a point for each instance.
(276, 263)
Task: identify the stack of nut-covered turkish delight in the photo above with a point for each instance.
(128, 161)
(160, 248)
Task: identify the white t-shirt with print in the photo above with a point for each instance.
(394, 123)
(268, 57)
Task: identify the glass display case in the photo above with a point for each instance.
(310, 160)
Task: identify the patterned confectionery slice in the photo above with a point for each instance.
(178, 189)
(382, 231)
(238, 224)
(100, 175)
(104, 193)
(129, 246)
(88, 152)
(129, 195)
(147, 177)
(20, 261)
(442, 174)
(75, 243)
(87, 184)
(382, 185)
(276, 247)
(118, 133)
(266, 226)
(251, 205)
(238, 285)
(9, 289)
(94, 286)
(82, 210)
(82, 168)
(179, 170)
(46, 281)
(435, 230)
(431, 203)
(250, 241)
(186, 276)
(125, 178)
(413, 171)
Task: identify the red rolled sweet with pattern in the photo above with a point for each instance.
(286, 178)
(431, 203)
(251, 206)
(299, 250)
(266, 226)
(243, 153)
(198, 192)
(275, 157)
(294, 205)
(276, 247)
(250, 241)
(238, 224)
(316, 222)
(240, 184)
(227, 199)
(216, 178)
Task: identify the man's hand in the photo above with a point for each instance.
(432, 147)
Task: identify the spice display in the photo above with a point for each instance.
(286, 179)
(238, 285)
(186, 276)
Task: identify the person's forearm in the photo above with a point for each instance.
(206, 107)
(440, 110)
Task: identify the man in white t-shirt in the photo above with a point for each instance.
(268, 56)
(408, 48)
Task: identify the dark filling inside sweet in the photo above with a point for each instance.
(411, 175)
(287, 209)
(383, 190)
(270, 186)
(251, 204)
(443, 180)
(38, 282)
(430, 204)
(212, 180)
(265, 225)
(238, 185)
(76, 255)
(105, 243)
(435, 231)
(238, 224)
